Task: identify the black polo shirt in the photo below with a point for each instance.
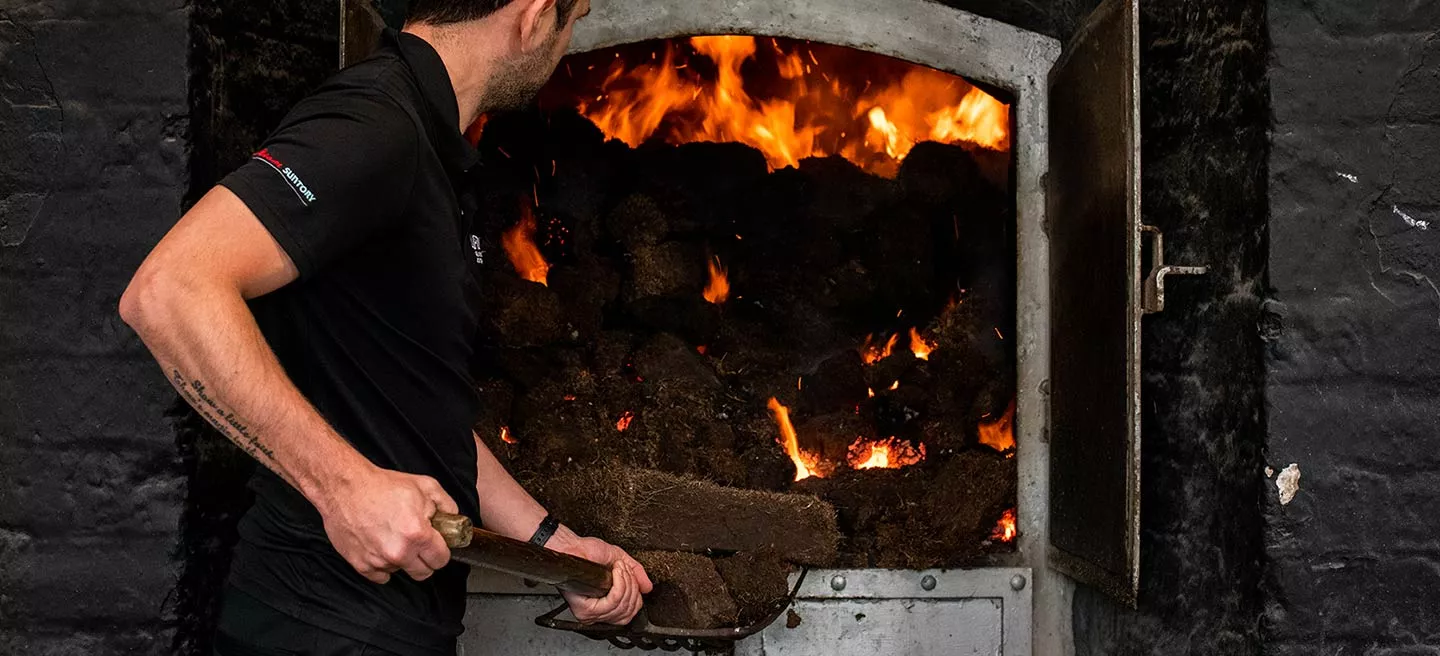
(363, 185)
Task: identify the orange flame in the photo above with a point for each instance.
(999, 434)
(624, 421)
(519, 243)
(920, 346)
(820, 111)
(873, 351)
(805, 463)
(928, 105)
(506, 437)
(889, 453)
(1005, 530)
(718, 291)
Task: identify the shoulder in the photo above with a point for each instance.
(361, 111)
(377, 92)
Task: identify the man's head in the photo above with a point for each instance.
(536, 34)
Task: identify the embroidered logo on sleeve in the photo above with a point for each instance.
(296, 184)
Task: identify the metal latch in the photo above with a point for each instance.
(1153, 298)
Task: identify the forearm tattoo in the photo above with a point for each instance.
(231, 427)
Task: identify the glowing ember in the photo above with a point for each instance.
(519, 243)
(919, 345)
(624, 421)
(506, 437)
(873, 351)
(999, 434)
(719, 288)
(1005, 530)
(895, 386)
(814, 108)
(889, 453)
(805, 463)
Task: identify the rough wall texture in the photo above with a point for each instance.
(93, 123)
(1354, 362)
(1204, 121)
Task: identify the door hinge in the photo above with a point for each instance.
(1153, 298)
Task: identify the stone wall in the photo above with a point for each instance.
(93, 127)
(1354, 358)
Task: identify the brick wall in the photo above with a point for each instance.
(1354, 357)
(93, 122)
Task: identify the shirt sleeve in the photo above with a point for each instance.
(339, 170)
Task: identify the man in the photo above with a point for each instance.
(313, 308)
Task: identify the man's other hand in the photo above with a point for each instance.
(628, 580)
(379, 521)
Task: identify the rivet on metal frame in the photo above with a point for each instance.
(928, 583)
(1017, 582)
(837, 582)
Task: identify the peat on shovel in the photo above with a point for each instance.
(481, 548)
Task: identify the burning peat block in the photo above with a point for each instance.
(758, 581)
(920, 520)
(637, 221)
(841, 194)
(702, 184)
(651, 510)
(525, 313)
(688, 594)
(670, 268)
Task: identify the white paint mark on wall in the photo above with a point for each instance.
(1410, 220)
(1349, 176)
(1288, 483)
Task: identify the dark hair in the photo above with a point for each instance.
(445, 12)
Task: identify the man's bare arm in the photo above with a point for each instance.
(188, 304)
(507, 509)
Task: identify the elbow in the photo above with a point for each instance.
(145, 299)
(137, 296)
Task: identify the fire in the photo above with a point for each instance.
(1005, 530)
(999, 434)
(506, 437)
(889, 453)
(519, 243)
(718, 291)
(624, 421)
(805, 463)
(920, 346)
(811, 109)
(872, 351)
(929, 105)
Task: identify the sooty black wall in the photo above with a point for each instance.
(1204, 122)
(1354, 358)
(92, 130)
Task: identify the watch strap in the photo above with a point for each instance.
(547, 528)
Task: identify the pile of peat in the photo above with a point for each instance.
(619, 358)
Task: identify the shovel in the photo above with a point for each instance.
(482, 548)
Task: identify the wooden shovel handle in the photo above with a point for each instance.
(456, 529)
(482, 548)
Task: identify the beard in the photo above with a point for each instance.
(520, 79)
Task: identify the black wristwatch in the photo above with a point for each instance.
(548, 526)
